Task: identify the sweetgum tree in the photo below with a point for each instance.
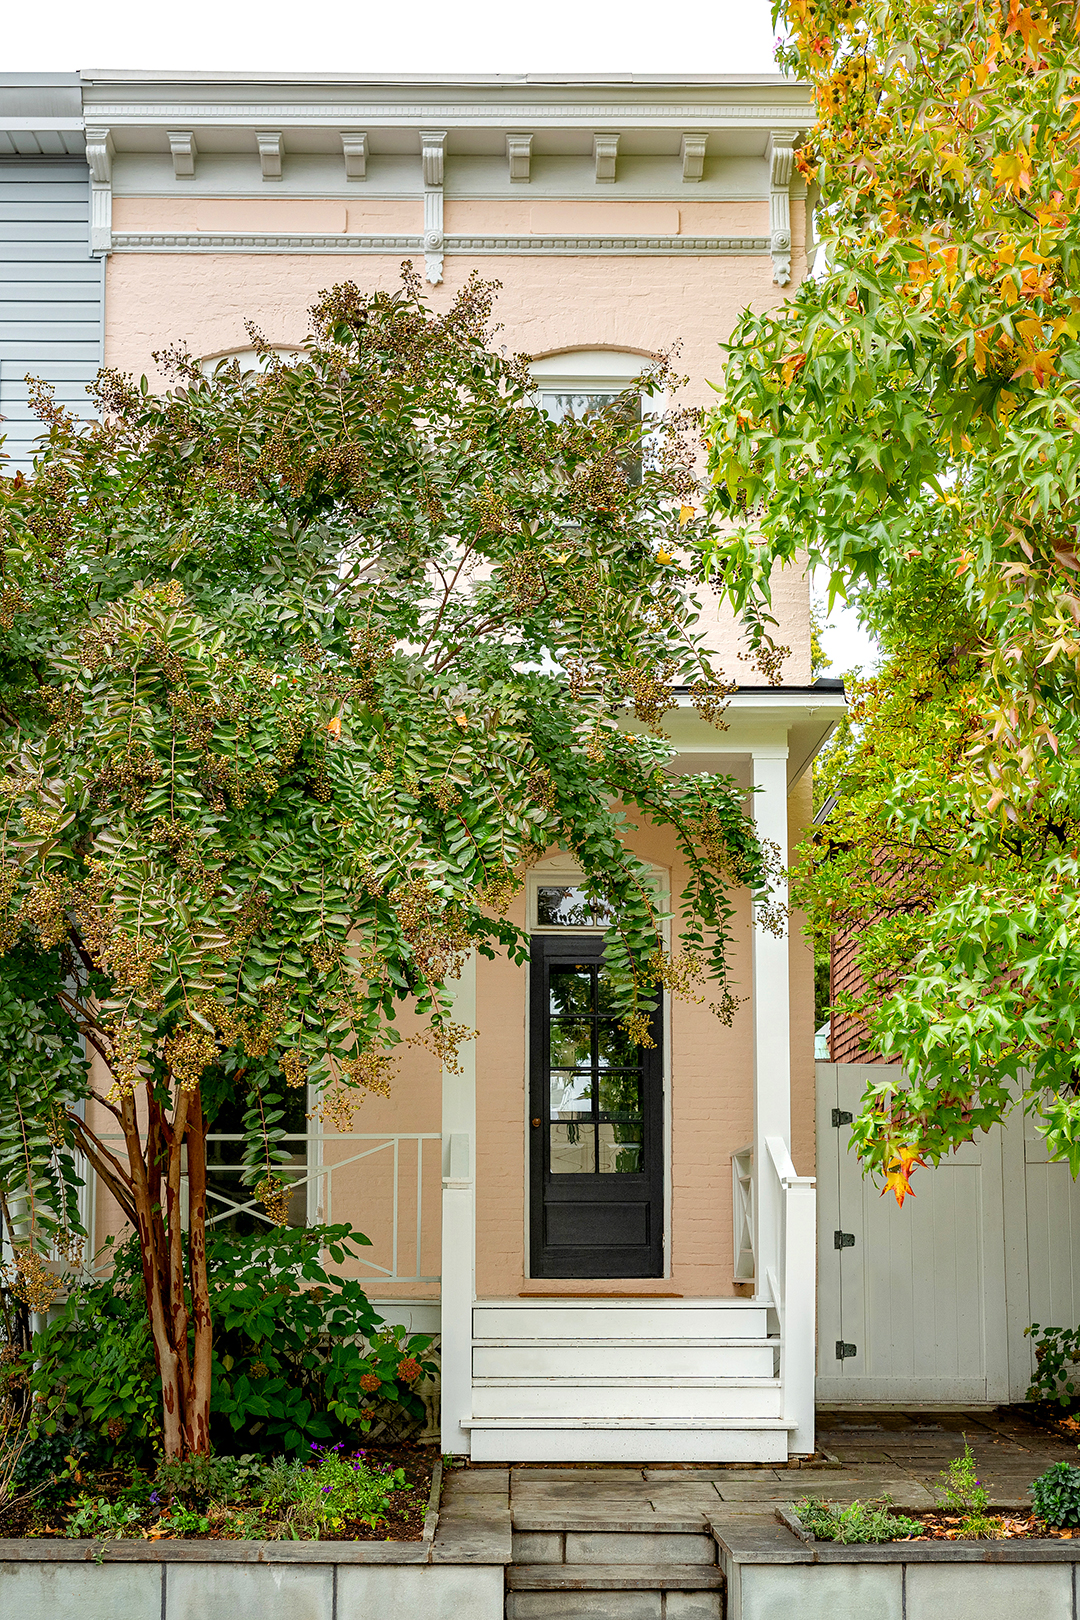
(909, 422)
(301, 670)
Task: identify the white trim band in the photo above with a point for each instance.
(307, 242)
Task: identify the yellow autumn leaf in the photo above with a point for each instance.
(1013, 170)
(663, 556)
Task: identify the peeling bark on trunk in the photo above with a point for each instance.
(176, 1283)
(197, 1415)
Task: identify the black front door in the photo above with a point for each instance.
(596, 1122)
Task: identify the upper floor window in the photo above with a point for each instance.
(581, 381)
(247, 360)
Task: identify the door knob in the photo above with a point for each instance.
(536, 1124)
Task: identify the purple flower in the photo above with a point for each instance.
(155, 1498)
(327, 1489)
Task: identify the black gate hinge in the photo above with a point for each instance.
(843, 1240)
(840, 1116)
(844, 1351)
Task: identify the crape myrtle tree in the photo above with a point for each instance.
(301, 669)
(909, 422)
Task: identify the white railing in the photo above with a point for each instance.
(383, 1209)
(792, 1283)
(742, 1213)
(321, 1178)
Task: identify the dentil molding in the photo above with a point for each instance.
(310, 242)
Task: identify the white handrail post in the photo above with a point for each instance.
(800, 1328)
(797, 1287)
(458, 1225)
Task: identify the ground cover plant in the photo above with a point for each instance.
(300, 670)
(857, 1522)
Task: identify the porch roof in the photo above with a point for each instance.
(758, 720)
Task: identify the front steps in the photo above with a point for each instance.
(648, 1380)
(575, 1568)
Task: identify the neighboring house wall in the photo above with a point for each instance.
(51, 288)
(847, 1034)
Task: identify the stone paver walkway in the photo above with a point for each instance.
(899, 1453)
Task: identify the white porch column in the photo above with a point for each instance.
(771, 1007)
(458, 1224)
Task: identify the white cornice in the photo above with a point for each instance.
(490, 114)
(308, 242)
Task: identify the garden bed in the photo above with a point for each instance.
(1010, 1526)
(375, 1493)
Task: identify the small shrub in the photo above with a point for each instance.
(299, 1353)
(963, 1495)
(1057, 1351)
(858, 1522)
(1055, 1495)
(199, 1481)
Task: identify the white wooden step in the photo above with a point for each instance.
(600, 1320)
(692, 1399)
(630, 1344)
(659, 1361)
(720, 1440)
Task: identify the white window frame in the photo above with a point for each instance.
(599, 371)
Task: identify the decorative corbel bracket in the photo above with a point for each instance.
(433, 152)
(781, 157)
(693, 155)
(519, 152)
(270, 147)
(99, 156)
(354, 145)
(184, 152)
(605, 152)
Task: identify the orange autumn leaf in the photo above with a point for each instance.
(899, 1185)
(333, 726)
(1040, 363)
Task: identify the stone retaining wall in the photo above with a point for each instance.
(772, 1575)
(251, 1580)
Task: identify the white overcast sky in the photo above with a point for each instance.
(422, 36)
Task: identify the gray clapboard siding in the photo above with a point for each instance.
(51, 293)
